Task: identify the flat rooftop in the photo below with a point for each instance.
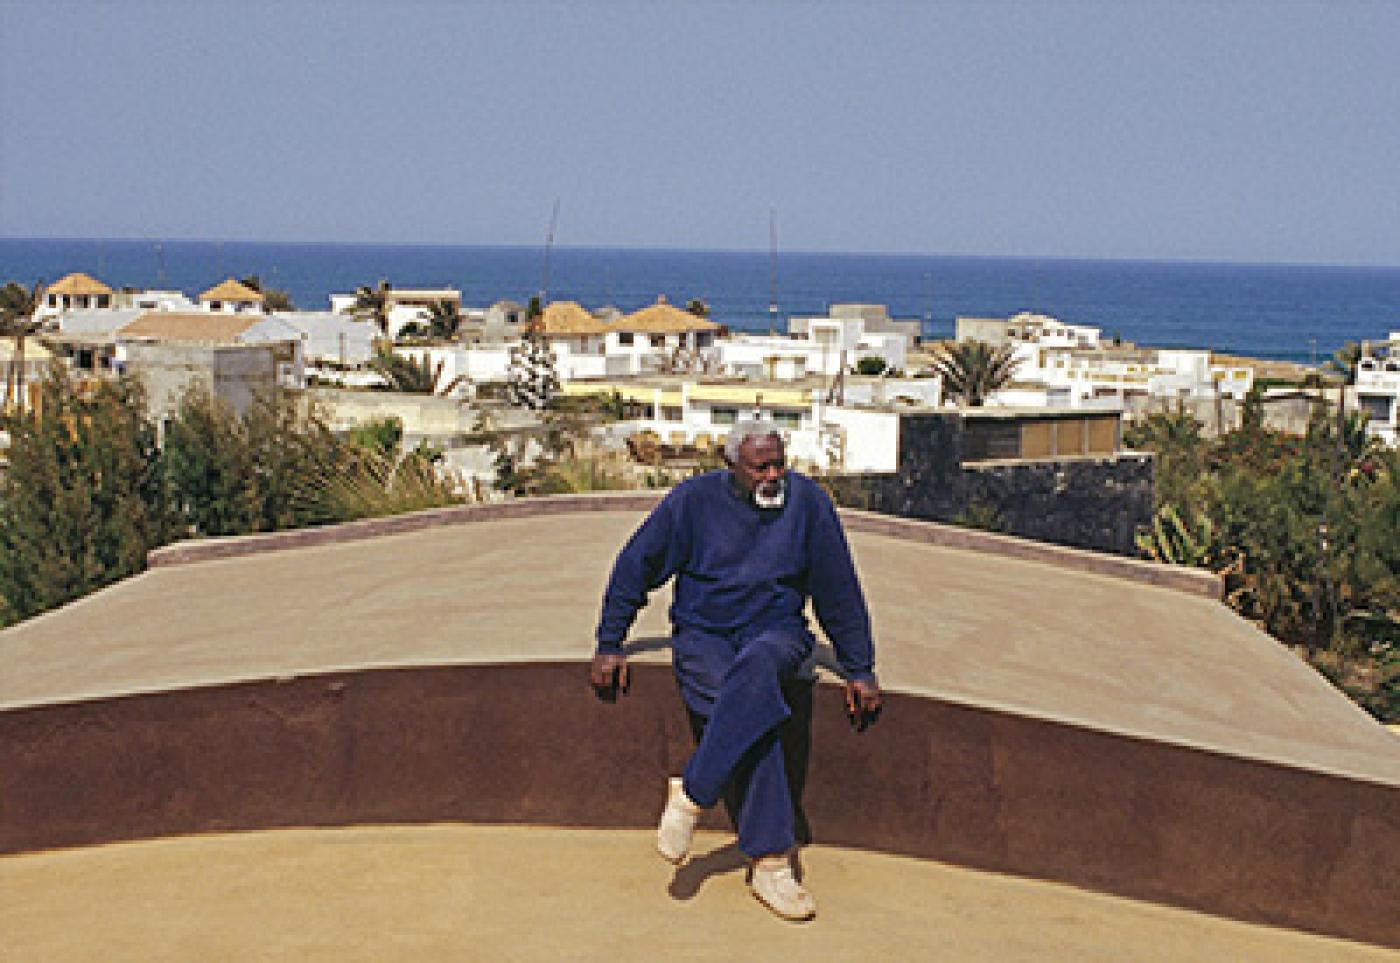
(510, 893)
(962, 626)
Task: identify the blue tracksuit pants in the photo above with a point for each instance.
(735, 681)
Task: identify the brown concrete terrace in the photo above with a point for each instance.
(1044, 721)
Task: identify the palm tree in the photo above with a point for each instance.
(372, 304)
(443, 320)
(1344, 361)
(17, 307)
(274, 299)
(972, 370)
(419, 377)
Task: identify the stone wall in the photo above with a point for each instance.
(1094, 503)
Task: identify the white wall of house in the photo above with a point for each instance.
(1168, 373)
(154, 300)
(884, 391)
(1377, 390)
(826, 345)
(646, 352)
(487, 362)
(1052, 396)
(847, 437)
(868, 439)
(333, 338)
(491, 362)
(764, 356)
(231, 307)
(53, 305)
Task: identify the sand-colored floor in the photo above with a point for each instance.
(505, 893)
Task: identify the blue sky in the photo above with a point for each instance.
(1217, 131)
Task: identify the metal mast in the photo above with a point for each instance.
(772, 271)
(548, 246)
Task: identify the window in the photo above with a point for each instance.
(670, 413)
(704, 339)
(1376, 407)
(216, 305)
(787, 419)
(724, 416)
(624, 338)
(658, 341)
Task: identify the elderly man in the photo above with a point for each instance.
(747, 546)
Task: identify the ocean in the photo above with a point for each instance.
(1287, 312)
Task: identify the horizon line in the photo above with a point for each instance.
(672, 249)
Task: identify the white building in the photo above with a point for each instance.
(325, 336)
(1069, 366)
(874, 318)
(1377, 390)
(658, 339)
(817, 345)
(858, 433)
(153, 299)
(403, 306)
(74, 292)
(1027, 328)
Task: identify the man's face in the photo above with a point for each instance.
(759, 470)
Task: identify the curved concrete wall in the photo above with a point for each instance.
(527, 743)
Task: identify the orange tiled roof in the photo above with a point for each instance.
(77, 284)
(231, 290)
(662, 318)
(569, 317)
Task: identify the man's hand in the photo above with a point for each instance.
(609, 675)
(863, 703)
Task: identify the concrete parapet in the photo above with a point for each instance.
(964, 784)
(1178, 578)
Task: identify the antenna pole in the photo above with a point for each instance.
(548, 246)
(772, 271)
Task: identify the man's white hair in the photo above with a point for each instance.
(745, 430)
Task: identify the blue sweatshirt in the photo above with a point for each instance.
(738, 567)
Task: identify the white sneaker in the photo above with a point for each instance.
(678, 821)
(772, 883)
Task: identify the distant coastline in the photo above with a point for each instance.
(1299, 313)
